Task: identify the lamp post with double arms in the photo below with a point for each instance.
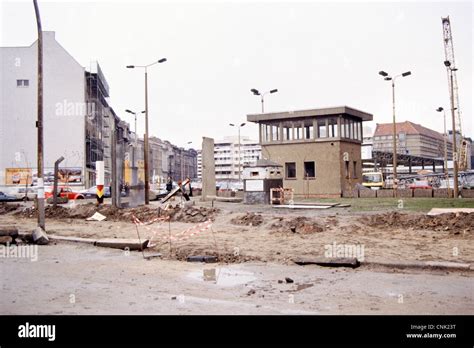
(262, 95)
(389, 78)
(146, 147)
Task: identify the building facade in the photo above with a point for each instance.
(226, 157)
(412, 139)
(75, 111)
(319, 149)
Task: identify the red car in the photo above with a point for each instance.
(65, 192)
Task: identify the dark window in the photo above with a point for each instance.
(354, 175)
(309, 170)
(22, 83)
(347, 169)
(290, 169)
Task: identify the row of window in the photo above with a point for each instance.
(22, 83)
(312, 129)
(309, 168)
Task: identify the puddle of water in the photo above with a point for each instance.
(225, 276)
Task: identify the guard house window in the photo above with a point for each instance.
(354, 168)
(290, 170)
(346, 163)
(275, 133)
(298, 131)
(308, 131)
(309, 170)
(322, 131)
(22, 83)
(332, 127)
(287, 133)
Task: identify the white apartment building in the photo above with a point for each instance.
(226, 156)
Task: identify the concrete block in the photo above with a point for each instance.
(422, 193)
(10, 231)
(350, 193)
(405, 193)
(384, 193)
(465, 193)
(40, 237)
(367, 193)
(117, 243)
(442, 193)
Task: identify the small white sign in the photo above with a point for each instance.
(254, 185)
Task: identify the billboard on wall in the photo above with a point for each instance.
(23, 176)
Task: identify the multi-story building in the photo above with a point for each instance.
(412, 139)
(76, 115)
(226, 157)
(319, 149)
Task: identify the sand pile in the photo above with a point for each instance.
(248, 219)
(300, 224)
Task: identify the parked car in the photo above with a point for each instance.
(91, 192)
(420, 184)
(7, 198)
(65, 192)
(24, 193)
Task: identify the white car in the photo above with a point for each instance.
(25, 193)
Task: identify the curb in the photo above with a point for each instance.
(423, 265)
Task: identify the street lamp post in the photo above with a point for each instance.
(136, 134)
(446, 173)
(239, 126)
(451, 69)
(146, 147)
(389, 78)
(256, 92)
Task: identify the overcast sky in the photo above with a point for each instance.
(316, 53)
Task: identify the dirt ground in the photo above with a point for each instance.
(241, 233)
(83, 279)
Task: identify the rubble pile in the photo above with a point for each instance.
(453, 222)
(6, 208)
(248, 219)
(300, 224)
(190, 214)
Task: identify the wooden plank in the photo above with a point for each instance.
(294, 206)
(438, 211)
(118, 243)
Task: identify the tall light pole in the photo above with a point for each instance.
(136, 134)
(389, 78)
(238, 126)
(182, 161)
(451, 69)
(256, 92)
(446, 173)
(39, 122)
(146, 147)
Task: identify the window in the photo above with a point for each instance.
(332, 127)
(309, 170)
(253, 173)
(22, 83)
(308, 131)
(287, 133)
(322, 133)
(298, 131)
(346, 163)
(290, 170)
(354, 168)
(275, 133)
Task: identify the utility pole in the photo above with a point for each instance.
(39, 122)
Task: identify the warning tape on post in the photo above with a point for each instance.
(158, 232)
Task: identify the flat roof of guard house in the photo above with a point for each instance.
(321, 112)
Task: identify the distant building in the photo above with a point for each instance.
(226, 156)
(412, 139)
(319, 149)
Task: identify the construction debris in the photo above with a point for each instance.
(97, 217)
(6, 208)
(300, 224)
(438, 211)
(205, 258)
(40, 237)
(329, 262)
(6, 240)
(10, 231)
(249, 219)
(124, 244)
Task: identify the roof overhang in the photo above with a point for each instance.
(330, 111)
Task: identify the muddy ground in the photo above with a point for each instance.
(240, 233)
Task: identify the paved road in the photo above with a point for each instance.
(81, 279)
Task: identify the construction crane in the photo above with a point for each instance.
(451, 69)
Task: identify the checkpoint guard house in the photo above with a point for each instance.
(319, 149)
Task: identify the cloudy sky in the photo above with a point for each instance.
(316, 53)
